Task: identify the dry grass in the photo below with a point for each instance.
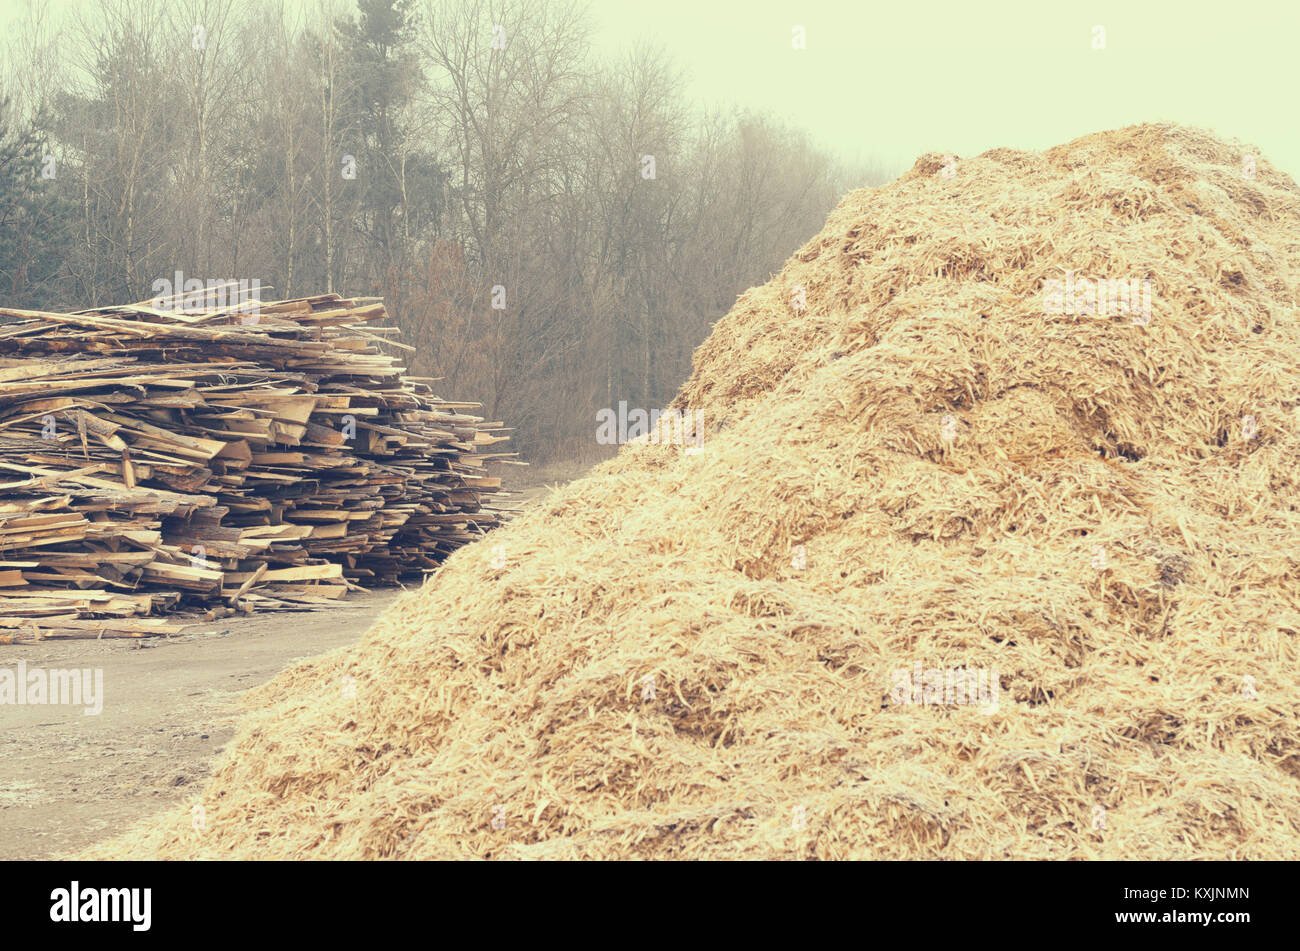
(1148, 704)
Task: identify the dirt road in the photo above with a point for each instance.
(68, 779)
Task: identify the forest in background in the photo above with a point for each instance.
(553, 231)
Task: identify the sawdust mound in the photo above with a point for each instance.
(1100, 512)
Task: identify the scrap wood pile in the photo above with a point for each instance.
(265, 457)
(929, 475)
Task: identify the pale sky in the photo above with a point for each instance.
(889, 81)
(898, 79)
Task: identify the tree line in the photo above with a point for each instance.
(553, 231)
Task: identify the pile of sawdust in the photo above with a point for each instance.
(1088, 524)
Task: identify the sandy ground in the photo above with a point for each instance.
(68, 779)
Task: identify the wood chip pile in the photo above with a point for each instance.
(956, 572)
(152, 460)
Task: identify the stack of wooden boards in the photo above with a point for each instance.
(221, 458)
